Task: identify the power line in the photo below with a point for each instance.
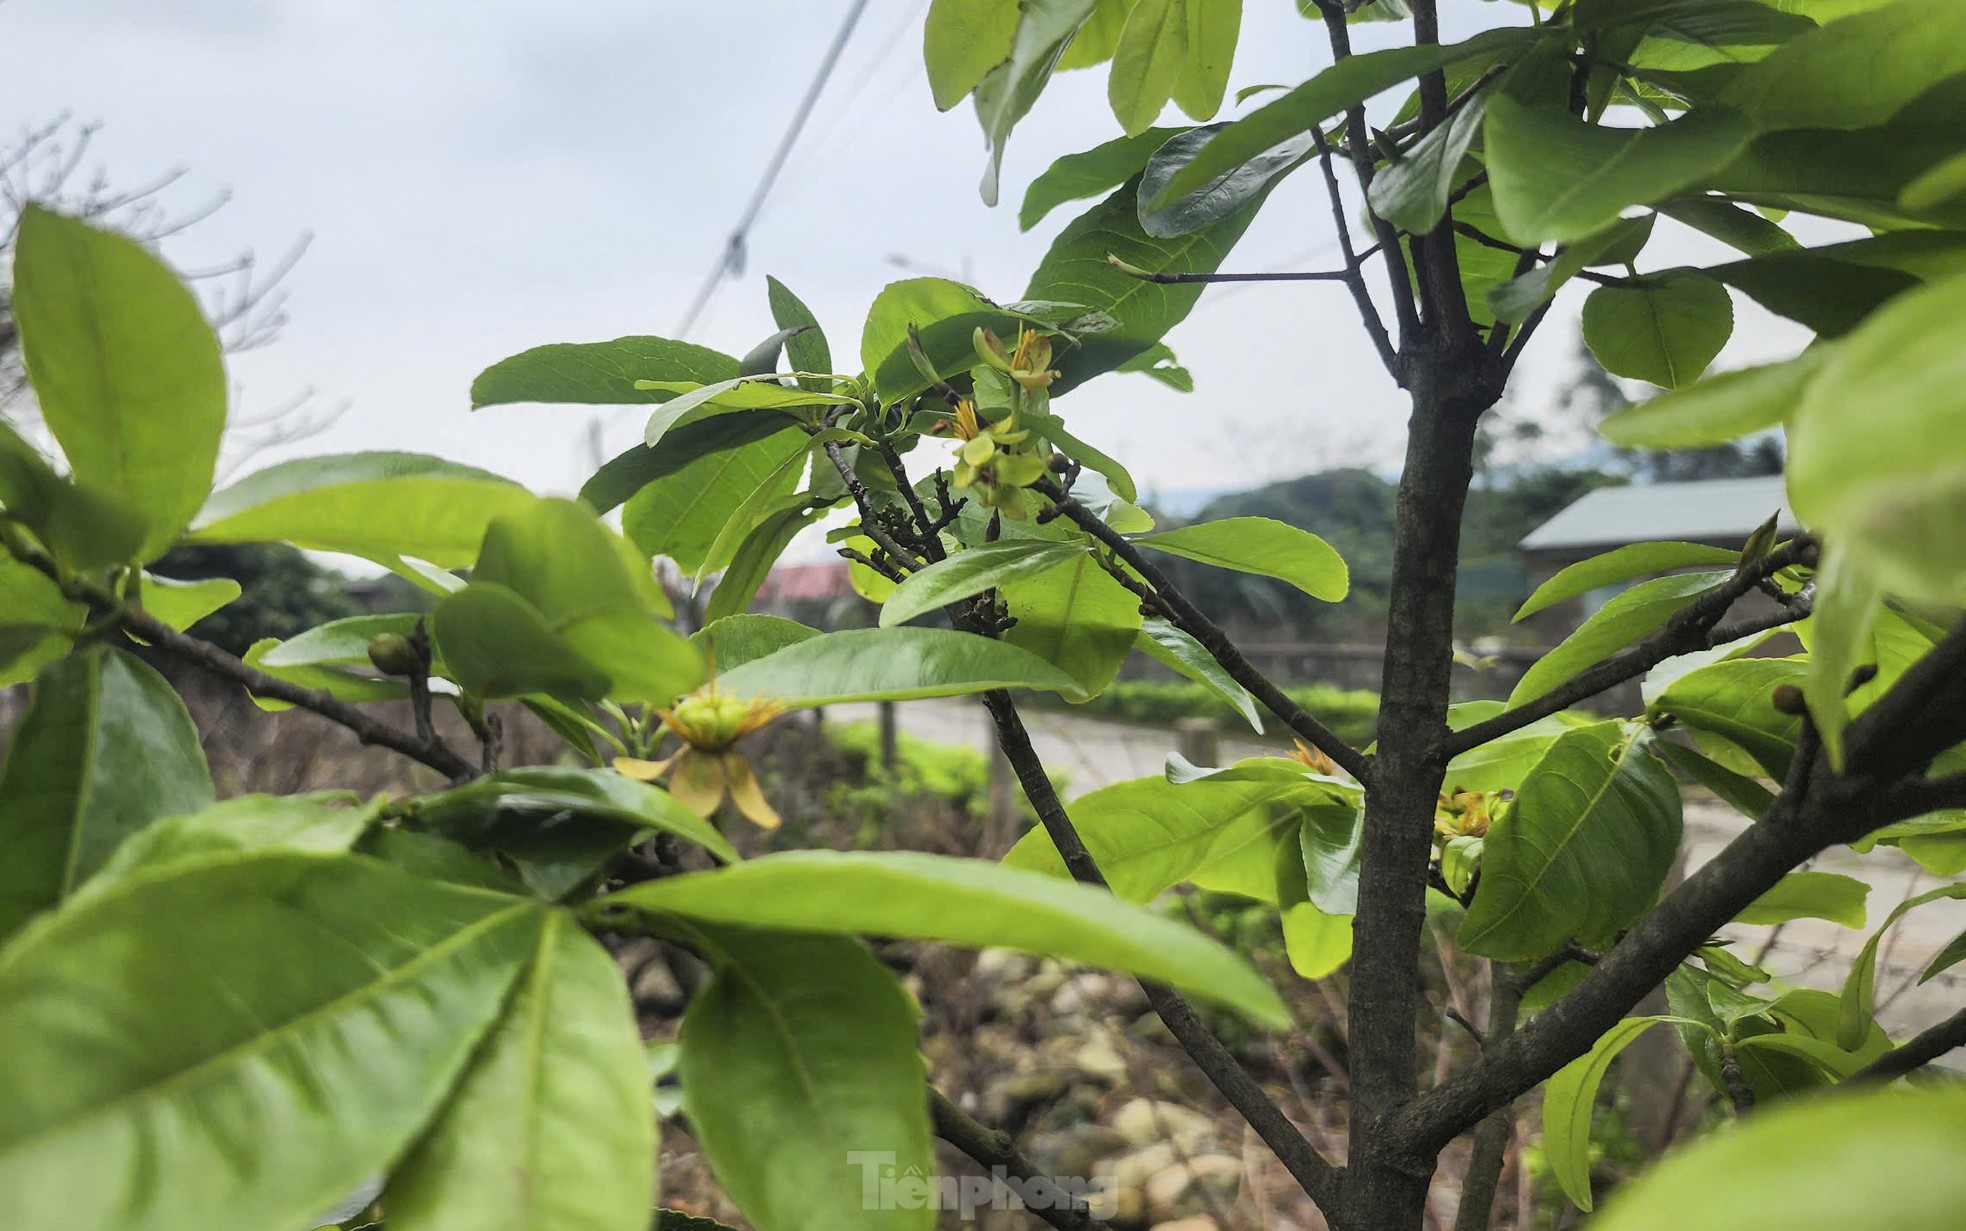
(733, 254)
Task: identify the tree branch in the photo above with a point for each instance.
(1916, 1052)
(1368, 312)
(1695, 626)
(1318, 1178)
(1491, 1139)
(994, 1149)
(208, 657)
(1192, 621)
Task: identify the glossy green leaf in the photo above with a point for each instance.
(695, 403)
(1316, 944)
(1501, 764)
(528, 803)
(1581, 852)
(1330, 841)
(1734, 700)
(36, 621)
(802, 1079)
(1412, 193)
(1157, 362)
(338, 643)
(496, 644)
(1567, 1104)
(1092, 173)
(1629, 616)
(1842, 626)
(959, 901)
(681, 514)
(962, 41)
(1874, 448)
(1857, 1005)
(945, 315)
(1213, 28)
(1622, 564)
(1738, 791)
(1149, 835)
(1734, 225)
(891, 664)
(627, 473)
(1834, 288)
(104, 749)
(1810, 895)
(325, 822)
(1076, 617)
(734, 640)
(180, 604)
(125, 370)
(169, 1041)
(1220, 198)
(1177, 651)
(365, 504)
(1665, 330)
(551, 1128)
(1855, 73)
(1006, 92)
(1879, 1160)
(971, 572)
(562, 559)
(1557, 178)
(1344, 85)
(1263, 546)
(83, 527)
(341, 683)
(1077, 269)
(598, 373)
(754, 559)
(1723, 407)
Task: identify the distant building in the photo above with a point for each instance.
(1720, 513)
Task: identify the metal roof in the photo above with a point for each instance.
(1722, 510)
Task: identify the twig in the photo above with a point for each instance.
(1368, 312)
(994, 1149)
(1916, 1052)
(1491, 1137)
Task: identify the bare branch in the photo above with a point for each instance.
(993, 1148)
(1916, 1052)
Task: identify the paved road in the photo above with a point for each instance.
(1092, 753)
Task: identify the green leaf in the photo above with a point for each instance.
(1842, 628)
(1412, 193)
(1731, 224)
(1581, 852)
(551, 1127)
(1835, 288)
(1342, 86)
(1263, 546)
(891, 664)
(946, 316)
(365, 504)
(695, 403)
(1077, 269)
(963, 902)
(1810, 895)
(180, 604)
(1178, 652)
(340, 683)
(1854, 73)
(224, 1001)
(83, 527)
(734, 640)
(754, 559)
(1213, 27)
(1317, 944)
(629, 472)
(681, 514)
(526, 803)
(1006, 93)
(338, 643)
(1567, 1104)
(125, 370)
(1501, 764)
(325, 822)
(1665, 330)
(1149, 835)
(1874, 448)
(1076, 617)
(496, 644)
(1629, 616)
(1149, 57)
(104, 749)
(1092, 173)
(1622, 564)
(1330, 842)
(1879, 1160)
(1721, 408)
(1557, 178)
(1738, 791)
(1220, 198)
(38, 621)
(561, 558)
(1158, 363)
(1857, 1005)
(598, 373)
(1734, 700)
(802, 1078)
(806, 350)
(971, 572)
(962, 41)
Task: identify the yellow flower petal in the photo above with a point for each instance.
(747, 795)
(698, 783)
(640, 770)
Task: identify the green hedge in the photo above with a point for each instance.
(1353, 714)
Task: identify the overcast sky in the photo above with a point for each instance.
(480, 178)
